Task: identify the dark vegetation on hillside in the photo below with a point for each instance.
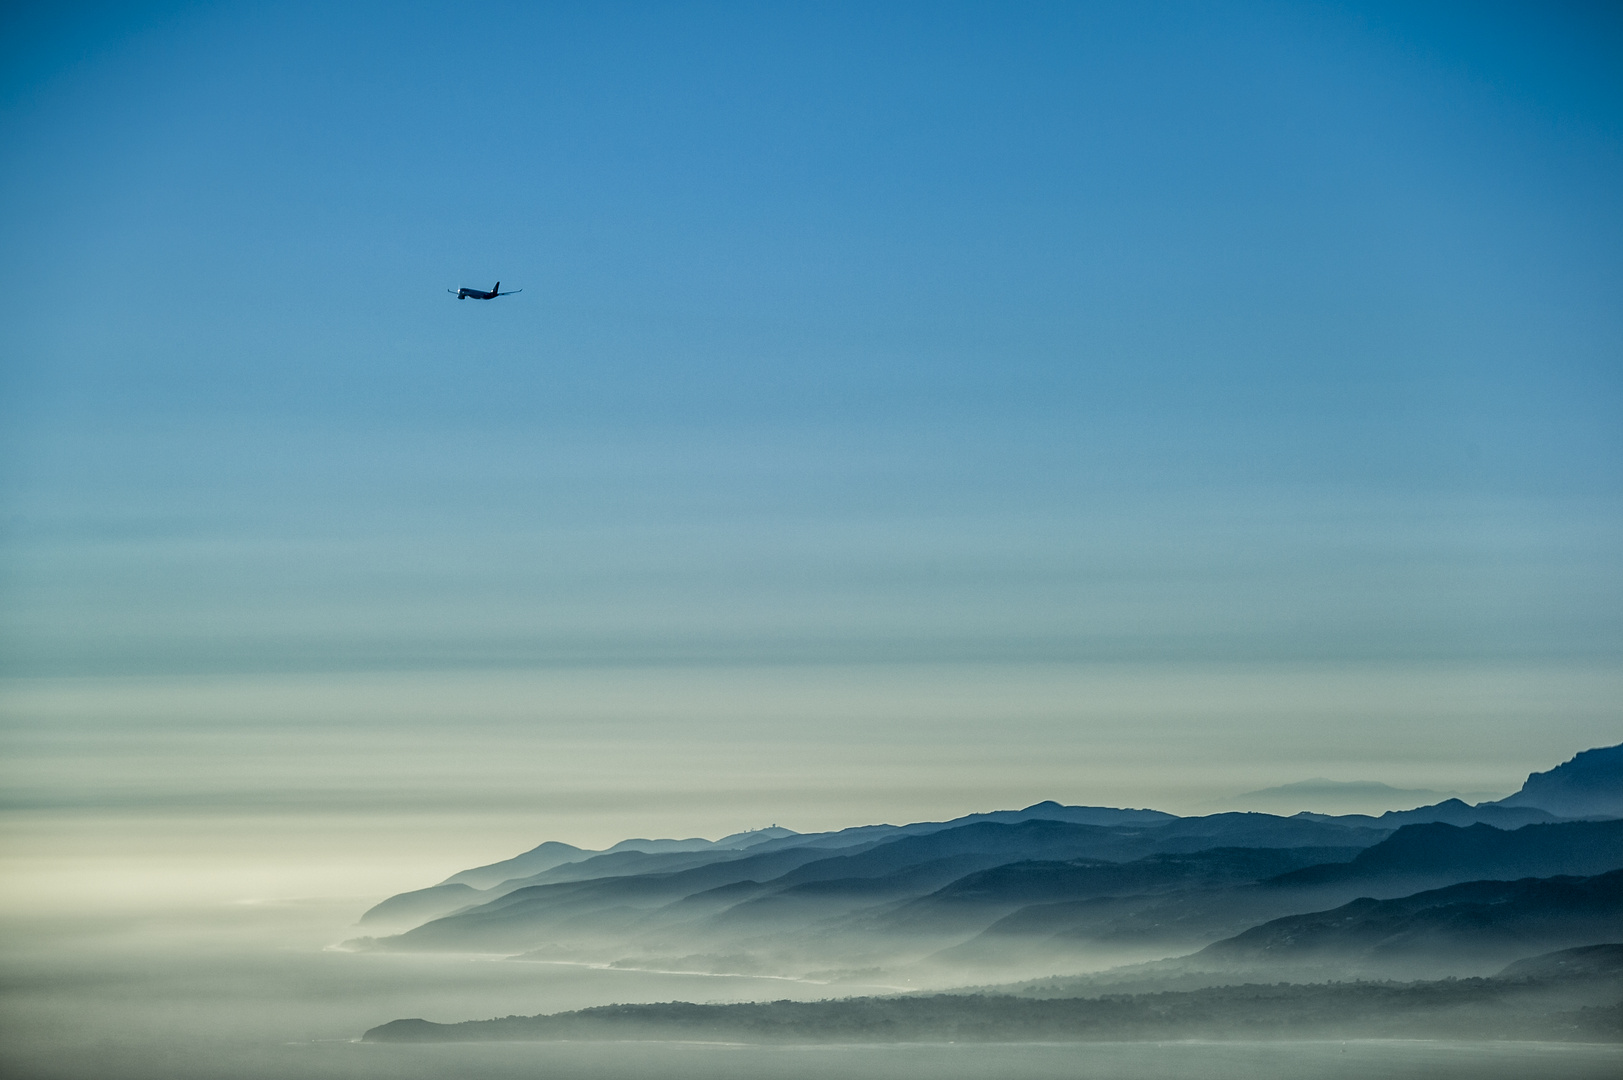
(1540, 1002)
(1492, 920)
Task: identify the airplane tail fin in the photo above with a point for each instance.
(497, 289)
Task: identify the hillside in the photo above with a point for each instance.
(1415, 858)
(1426, 853)
(1590, 784)
(1478, 924)
(1556, 1002)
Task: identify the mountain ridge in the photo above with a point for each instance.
(1043, 885)
(1585, 785)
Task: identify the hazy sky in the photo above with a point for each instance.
(968, 354)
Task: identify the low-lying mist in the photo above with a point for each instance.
(238, 990)
(252, 991)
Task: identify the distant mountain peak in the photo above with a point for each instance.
(1323, 796)
(750, 837)
(1589, 784)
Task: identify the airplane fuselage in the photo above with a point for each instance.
(466, 293)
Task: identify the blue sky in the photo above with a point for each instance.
(1399, 230)
(850, 334)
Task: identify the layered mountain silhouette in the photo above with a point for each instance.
(1049, 888)
(1414, 858)
(1449, 812)
(1477, 923)
(552, 853)
(1420, 855)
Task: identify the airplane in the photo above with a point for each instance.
(466, 293)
